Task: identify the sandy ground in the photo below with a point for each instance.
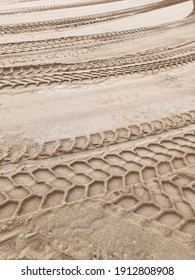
(97, 139)
(10, 5)
(152, 18)
(68, 13)
(66, 112)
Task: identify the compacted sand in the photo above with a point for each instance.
(97, 129)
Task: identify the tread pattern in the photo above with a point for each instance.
(57, 73)
(32, 57)
(152, 180)
(29, 46)
(57, 7)
(74, 22)
(96, 140)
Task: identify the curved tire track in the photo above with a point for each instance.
(29, 46)
(56, 73)
(94, 141)
(153, 180)
(56, 7)
(74, 22)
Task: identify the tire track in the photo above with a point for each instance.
(154, 180)
(151, 179)
(76, 21)
(57, 7)
(55, 57)
(94, 141)
(56, 73)
(103, 38)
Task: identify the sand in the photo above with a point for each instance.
(97, 140)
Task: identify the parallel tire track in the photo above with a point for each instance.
(57, 7)
(154, 180)
(29, 46)
(36, 75)
(74, 22)
(94, 141)
(166, 51)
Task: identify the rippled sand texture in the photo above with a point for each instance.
(97, 129)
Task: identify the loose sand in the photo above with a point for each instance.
(97, 140)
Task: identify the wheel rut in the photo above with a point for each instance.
(47, 74)
(139, 172)
(61, 24)
(96, 140)
(58, 7)
(132, 34)
(154, 180)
